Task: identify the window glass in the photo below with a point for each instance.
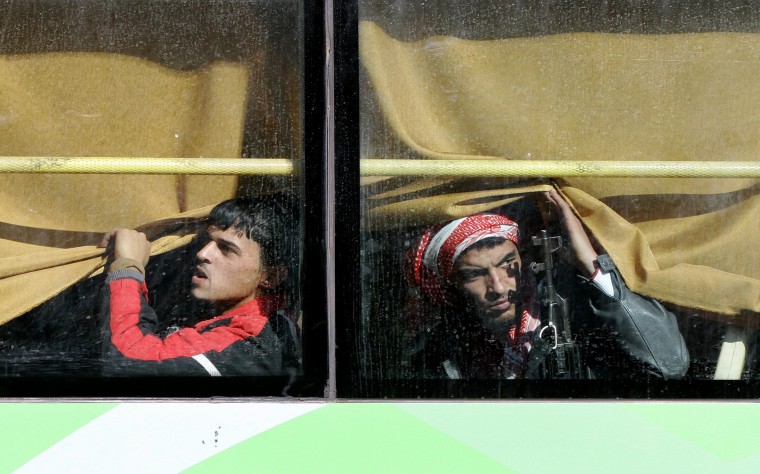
(458, 89)
(155, 79)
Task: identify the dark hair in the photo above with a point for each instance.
(270, 220)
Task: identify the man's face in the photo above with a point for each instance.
(486, 276)
(229, 270)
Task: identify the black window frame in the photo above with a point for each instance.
(331, 289)
(311, 172)
(351, 378)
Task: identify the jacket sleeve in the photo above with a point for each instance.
(629, 326)
(132, 347)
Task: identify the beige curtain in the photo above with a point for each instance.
(105, 104)
(585, 96)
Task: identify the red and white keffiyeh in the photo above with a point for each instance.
(430, 265)
(429, 269)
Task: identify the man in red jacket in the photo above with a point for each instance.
(241, 269)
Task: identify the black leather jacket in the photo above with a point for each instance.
(627, 331)
(620, 336)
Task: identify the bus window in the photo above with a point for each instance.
(484, 124)
(204, 277)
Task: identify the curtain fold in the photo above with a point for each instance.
(585, 96)
(105, 104)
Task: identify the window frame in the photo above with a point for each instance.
(311, 172)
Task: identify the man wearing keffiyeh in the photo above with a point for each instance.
(475, 309)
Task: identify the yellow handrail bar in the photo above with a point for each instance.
(129, 165)
(550, 169)
(384, 167)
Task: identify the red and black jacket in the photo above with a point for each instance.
(256, 338)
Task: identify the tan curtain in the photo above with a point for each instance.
(104, 104)
(585, 96)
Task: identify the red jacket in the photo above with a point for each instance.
(256, 338)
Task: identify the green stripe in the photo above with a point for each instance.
(727, 430)
(31, 428)
(605, 437)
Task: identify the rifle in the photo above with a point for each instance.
(555, 354)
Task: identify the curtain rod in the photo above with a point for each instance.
(384, 167)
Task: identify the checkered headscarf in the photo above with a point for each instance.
(429, 265)
(429, 269)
